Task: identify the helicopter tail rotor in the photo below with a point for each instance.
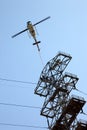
(36, 42)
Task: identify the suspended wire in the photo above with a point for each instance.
(18, 81)
(83, 113)
(15, 86)
(20, 125)
(18, 105)
(26, 82)
(41, 58)
(81, 91)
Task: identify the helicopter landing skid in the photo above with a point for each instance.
(36, 43)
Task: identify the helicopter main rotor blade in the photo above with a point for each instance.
(19, 33)
(41, 21)
(33, 25)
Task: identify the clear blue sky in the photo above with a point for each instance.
(66, 31)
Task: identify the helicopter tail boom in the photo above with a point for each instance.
(36, 43)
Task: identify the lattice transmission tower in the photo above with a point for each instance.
(55, 85)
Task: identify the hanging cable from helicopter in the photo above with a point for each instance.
(31, 29)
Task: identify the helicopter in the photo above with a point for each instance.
(30, 28)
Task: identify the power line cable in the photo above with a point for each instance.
(21, 125)
(19, 81)
(81, 91)
(83, 113)
(14, 86)
(18, 105)
(26, 82)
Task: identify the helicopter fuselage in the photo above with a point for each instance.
(31, 30)
(33, 34)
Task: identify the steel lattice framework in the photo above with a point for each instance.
(59, 108)
(69, 113)
(81, 125)
(51, 73)
(58, 94)
(58, 97)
